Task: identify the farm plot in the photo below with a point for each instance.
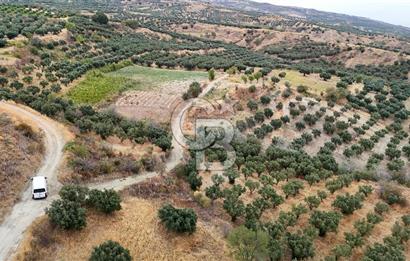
(280, 113)
(143, 104)
(316, 86)
(98, 86)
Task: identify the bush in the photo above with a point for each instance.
(74, 193)
(392, 194)
(66, 214)
(110, 251)
(178, 220)
(106, 201)
(3, 43)
(406, 220)
(381, 208)
(193, 91)
(211, 74)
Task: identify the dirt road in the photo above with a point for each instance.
(178, 147)
(27, 210)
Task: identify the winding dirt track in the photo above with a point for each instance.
(26, 210)
(55, 137)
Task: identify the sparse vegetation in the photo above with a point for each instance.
(321, 105)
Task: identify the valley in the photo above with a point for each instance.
(202, 130)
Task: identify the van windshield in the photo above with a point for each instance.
(39, 190)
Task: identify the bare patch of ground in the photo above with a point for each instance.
(63, 35)
(150, 33)
(369, 57)
(147, 105)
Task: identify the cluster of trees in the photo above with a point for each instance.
(69, 212)
(15, 21)
(392, 247)
(105, 124)
(302, 51)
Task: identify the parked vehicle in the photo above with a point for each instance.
(39, 185)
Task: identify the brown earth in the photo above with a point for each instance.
(21, 153)
(136, 227)
(258, 39)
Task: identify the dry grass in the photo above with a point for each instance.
(136, 227)
(21, 152)
(315, 84)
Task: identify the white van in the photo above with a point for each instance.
(39, 187)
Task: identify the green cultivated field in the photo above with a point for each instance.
(98, 86)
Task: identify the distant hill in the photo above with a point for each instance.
(336, 20)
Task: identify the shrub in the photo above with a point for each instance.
(193, 91)
(211, 74)
(363, 227)
(252, 89)
(406, 220)
(392, 194)
(342, 250)
(381, 208)
(106, 201)
(265, 99)
(202, 199)
(353, 240)
(374, 218)
(365, 190)
(74, 193)
(3, 42)
(110, 251)
(66, 214)
(178, 220)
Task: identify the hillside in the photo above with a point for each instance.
(340, 21)
(203, 131)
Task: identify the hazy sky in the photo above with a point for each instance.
(391, 11)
